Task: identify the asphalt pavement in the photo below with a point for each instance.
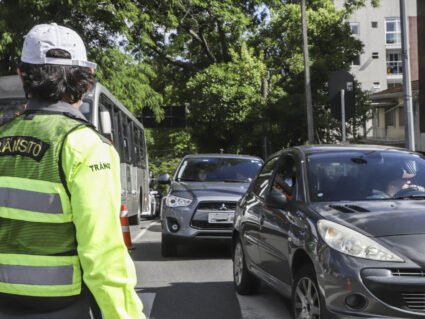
(198, 284)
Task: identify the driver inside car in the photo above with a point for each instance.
(397, 179)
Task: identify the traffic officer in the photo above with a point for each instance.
(60, 236)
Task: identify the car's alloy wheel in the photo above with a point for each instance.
(306, 300)
(245, 282)
(168, 246)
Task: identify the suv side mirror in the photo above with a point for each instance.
(164, 179)
(105, 121)
(276, 200)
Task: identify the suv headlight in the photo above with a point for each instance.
(350, 242)
(175, 201)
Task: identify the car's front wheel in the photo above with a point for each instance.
(245, 282)
(168, 246)
(306, 301)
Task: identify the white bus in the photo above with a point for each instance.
(112, 120)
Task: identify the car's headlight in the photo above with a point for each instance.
(175, 201)
(352, 243)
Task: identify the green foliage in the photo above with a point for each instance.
(166, 147)
(128, 80)
(211, 54)
(223, 97)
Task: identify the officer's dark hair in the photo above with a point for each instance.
(50, 82)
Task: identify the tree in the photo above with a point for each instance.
(103, 27)
(331, 46)
(225, 97)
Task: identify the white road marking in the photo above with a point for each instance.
(140, 235)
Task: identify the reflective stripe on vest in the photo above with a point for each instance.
(34, 200)
(29, 200)
(47, 276)
(30, 275)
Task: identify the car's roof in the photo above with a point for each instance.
(308, 149)
(347, 147)
(213, 155)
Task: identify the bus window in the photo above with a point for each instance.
(128, 129)
(86, 109)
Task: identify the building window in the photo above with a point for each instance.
(376, 85)
(393, 85)
(374, 24)
(389, 117)
(392, 30)
(356, 60)
(375, 55)
(400, 116)
(394, 63)
(355, 29)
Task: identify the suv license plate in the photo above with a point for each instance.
(218, 218)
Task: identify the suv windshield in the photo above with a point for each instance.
(365, 175)
(209, 169)
(9, 108)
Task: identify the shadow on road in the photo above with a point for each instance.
(208, 300)
(151, 251)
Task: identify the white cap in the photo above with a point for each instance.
(45, 37)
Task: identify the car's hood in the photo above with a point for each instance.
(377, 218)
(199, 189)
(410, 246)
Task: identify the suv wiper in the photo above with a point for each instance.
(188, 179)
(236, 181)
(410, 197)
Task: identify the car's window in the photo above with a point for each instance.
(365, 175)
(285, 179)
(263, 177)
(210, 169)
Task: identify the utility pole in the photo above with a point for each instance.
(420, 4)
(407, 84)
(307, 83)
(264, 94)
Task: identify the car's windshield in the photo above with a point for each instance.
(209, 169)
(365, 175)
(9, 108)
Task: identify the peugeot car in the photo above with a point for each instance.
(201, 200)
(340, 230)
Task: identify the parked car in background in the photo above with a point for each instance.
(338, 229)
(201, 200)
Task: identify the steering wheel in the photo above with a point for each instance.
(412, 190)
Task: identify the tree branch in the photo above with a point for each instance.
(185, 65)
(224, 48)
(207, 48)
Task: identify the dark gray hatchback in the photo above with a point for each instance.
(338, 229)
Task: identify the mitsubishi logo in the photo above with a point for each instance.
(223, 207)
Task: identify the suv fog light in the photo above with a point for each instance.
(173, 225)
(356, 301)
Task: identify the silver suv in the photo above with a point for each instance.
(201, 201)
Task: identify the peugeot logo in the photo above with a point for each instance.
(223, 207)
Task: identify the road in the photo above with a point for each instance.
(196, 285)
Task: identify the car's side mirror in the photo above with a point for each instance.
(164, 179)
(276, 200)
(105, 121)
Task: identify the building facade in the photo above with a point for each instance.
(379, 67)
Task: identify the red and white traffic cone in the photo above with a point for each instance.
(125, 227)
